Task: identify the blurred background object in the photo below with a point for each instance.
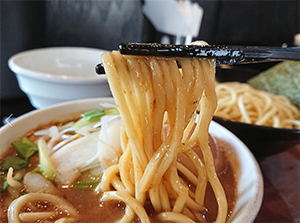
(22, 28)
(54, 75)
(179, 19)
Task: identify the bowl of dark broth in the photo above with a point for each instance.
(78, 201)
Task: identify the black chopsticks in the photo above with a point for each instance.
(223, 54)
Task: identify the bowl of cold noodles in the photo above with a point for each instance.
(259, 103)
(265, 122)
(149, 154)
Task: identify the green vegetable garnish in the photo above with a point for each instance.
(81, 122)
(25, 146)
(36, 170)
(94, 116)
(3, 186)
(16, 163)
(45, 163)
(85, 185)
(112, 111)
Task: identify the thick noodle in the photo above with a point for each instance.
(61, 207)
(157, 102)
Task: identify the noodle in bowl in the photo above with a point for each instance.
(271, 120)
(249, 178)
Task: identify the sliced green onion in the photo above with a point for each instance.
(25, 146)
(16, 163)
(36, 170)
(46, 165)
(93, 115)
(81, 122)
(4, 186)
(112, 111)
(89, 117)
(85, 185)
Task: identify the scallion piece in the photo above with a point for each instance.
(36, 170)
(4, 186)
(85, 185)
(112, 111)
(46, 165)
(16, 163)
(25, 146)
(93, 115)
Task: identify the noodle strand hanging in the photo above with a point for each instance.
(157, 102)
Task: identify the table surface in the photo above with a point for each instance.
(281, 174)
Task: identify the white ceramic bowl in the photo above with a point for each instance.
(57, 74)
(250, 182)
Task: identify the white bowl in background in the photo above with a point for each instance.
(250, 182)
(57, 74)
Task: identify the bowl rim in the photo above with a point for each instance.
(28, 73)
(251, 208)
(257, 126)
(247, 212)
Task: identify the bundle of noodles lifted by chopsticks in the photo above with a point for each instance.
(243, 103)
(157, 102)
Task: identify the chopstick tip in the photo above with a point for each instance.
(100, 69)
